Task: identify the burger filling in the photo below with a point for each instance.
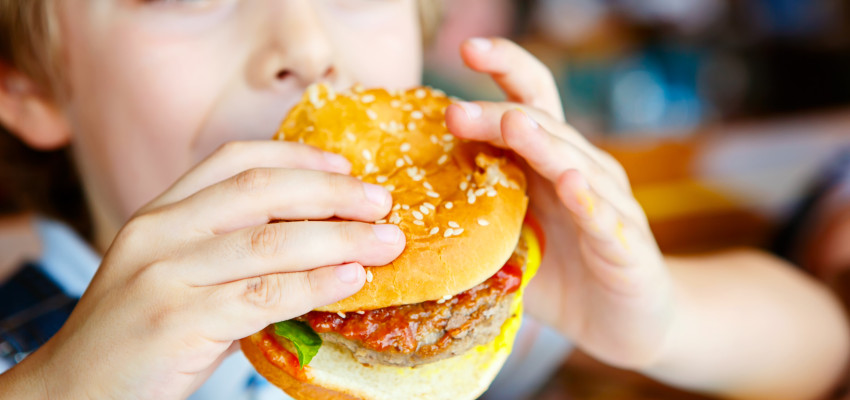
(415, 334)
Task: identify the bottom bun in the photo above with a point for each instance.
(334, 374)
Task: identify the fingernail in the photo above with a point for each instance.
(348, 273)
(337, 161)
(375, 194)
(481, 44)
(472, 110)
(387, 233)
(531, 121)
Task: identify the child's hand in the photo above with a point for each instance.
(603, 281)
(201, 266)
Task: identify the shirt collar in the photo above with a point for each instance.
(66, 257)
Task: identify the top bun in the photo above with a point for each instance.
(460, 204)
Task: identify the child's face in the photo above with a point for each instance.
(157, 85)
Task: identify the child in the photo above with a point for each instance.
(165, 105)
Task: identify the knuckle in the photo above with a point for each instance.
(253, 180)
(264, 291)
(349, 233)
(229, 148)
(341, 185)
(266, 240)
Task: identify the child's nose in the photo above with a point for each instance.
(300, 47)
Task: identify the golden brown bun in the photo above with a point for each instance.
(399, 140)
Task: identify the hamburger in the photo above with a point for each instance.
(439, 321)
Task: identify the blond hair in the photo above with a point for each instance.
(27, 41)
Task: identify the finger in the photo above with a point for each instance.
(607, 233)
(290, 247)
(234, 157)
(522, 77)
(551, 156)
(241, 308)
(262, 195)
(482, 121)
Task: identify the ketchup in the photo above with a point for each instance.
(395, 329)
(279, 356)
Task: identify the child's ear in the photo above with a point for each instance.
(29, 114)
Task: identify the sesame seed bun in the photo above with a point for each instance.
(460, 204)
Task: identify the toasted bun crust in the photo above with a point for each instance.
(460, 204)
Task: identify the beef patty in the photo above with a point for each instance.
(415, 334)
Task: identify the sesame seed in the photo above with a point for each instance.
(381, 179)
(418, 222)
(429, 205)
(407, 107)
(428, 186)
(448, 147)
(395, 103)
(370, 168)
(434, 138)
(447, 297)
(405, 207)
(443, 159)
(491, 192)
(480, 192)
(449, 205)
(372, 114)
(457, 232)
(425, 210)
(448, 233)
(390, 187)
(395, 219)
(464, 185)
(483, 222)
(396, 206)
(405, 147)
(381, 221)
(416, 114)
(470, 199)
(369, 276)
(407, 159)
(367, 98)
(383, 126)
(448, 137)
(433, 194)
(417, 215)
(367, 154)
(420, 93)
(350, 136)
(411, 126)
(341, 314)
(441, 301)
(361, 312)
(434, 231)
(454, 224)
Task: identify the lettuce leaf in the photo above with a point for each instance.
(306, 341)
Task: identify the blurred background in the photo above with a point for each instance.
(725, 114)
